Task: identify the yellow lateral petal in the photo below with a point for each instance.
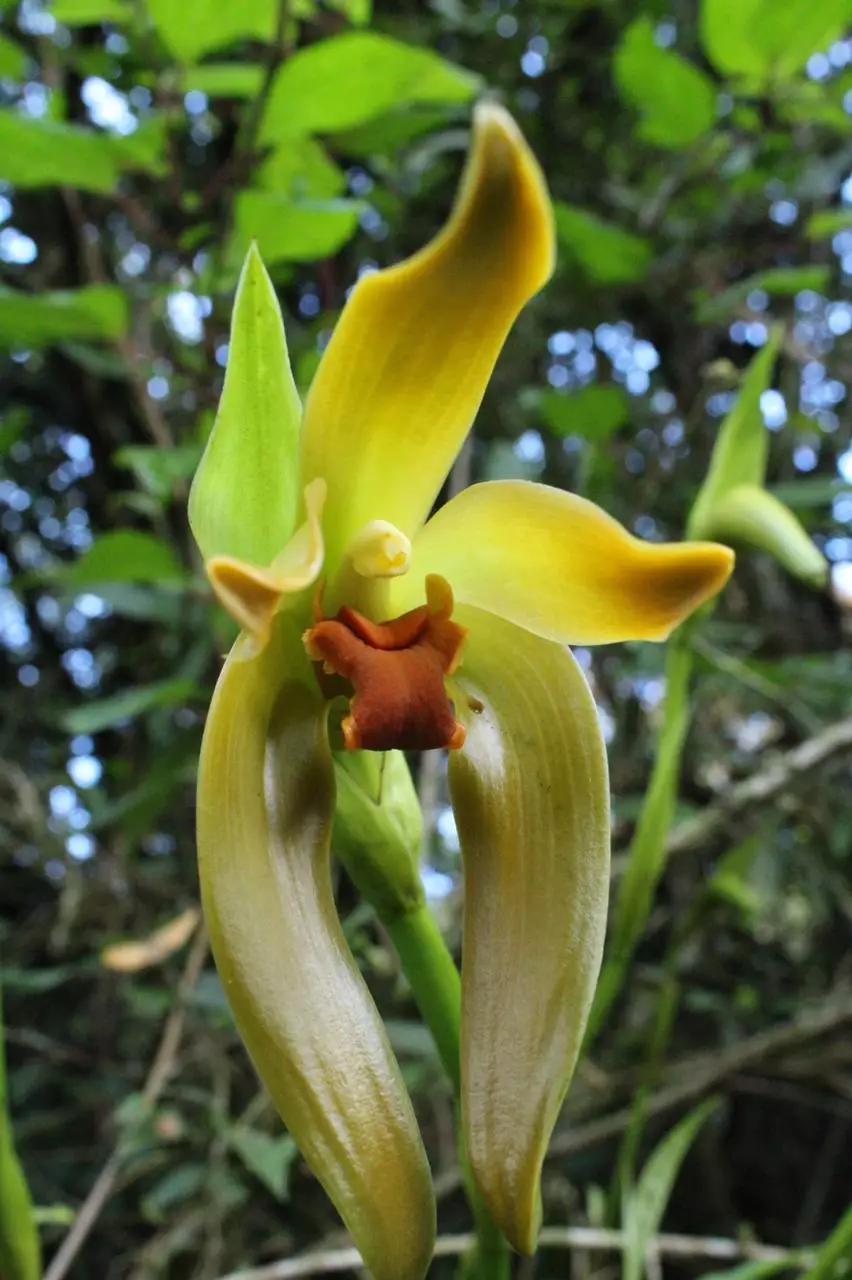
(265, 810)
(559, 566)
(530, 794)
(403, 376)
(252, 596)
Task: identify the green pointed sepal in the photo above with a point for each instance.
(245, 496)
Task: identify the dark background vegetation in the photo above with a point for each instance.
(701, 196)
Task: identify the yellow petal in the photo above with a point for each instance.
(265, 810)
(531, 799)
(252, 596)
(402, 378)
(559, 566)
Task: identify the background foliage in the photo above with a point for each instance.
(700, 156)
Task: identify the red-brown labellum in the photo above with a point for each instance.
(397, 671)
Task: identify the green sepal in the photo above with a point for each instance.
(750, 516)
(378, 827)
(245, 494)
(741, 450)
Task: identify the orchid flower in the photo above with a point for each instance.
(450, 631)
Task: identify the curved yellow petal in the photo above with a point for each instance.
(402, 378)
(265, 810)
(253, 596)
(559, 566)
(531, 798)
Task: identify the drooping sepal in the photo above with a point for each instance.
(245, 494)
(265, 811)
(530, 794)
(753, 517)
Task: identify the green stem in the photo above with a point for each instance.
(20, 1249)
(436, 986)
(434, 980)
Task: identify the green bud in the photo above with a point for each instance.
(740, 452)
(751, 516)
(377, 829)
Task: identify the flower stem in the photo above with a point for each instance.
(435, 983)
(434, 980)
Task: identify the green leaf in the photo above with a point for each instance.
(20, 1251)
(646, 857)
(727, 33)
(245, 493)
(677, 101)
(779, 281)
(13, 424)
(765, 39)
(35, 319)
(352, 78)
(93, 717)
(391, 132)
(269, 1159)
(178, 1186)
(83, 13)
(359, 12)
(294, 231)
(806, 492)
(646, 1204)
(194, 27)
(145, 148)
(754, 1270)
(594, 412)
(606, 253)
(34, 981)
(225, 79)
(827, 223)
(729, 880)
(44, 152)
(302, 170)
(836, 1249)
(788, 31)
(13, 59)
(126, 555)
(158, 471)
